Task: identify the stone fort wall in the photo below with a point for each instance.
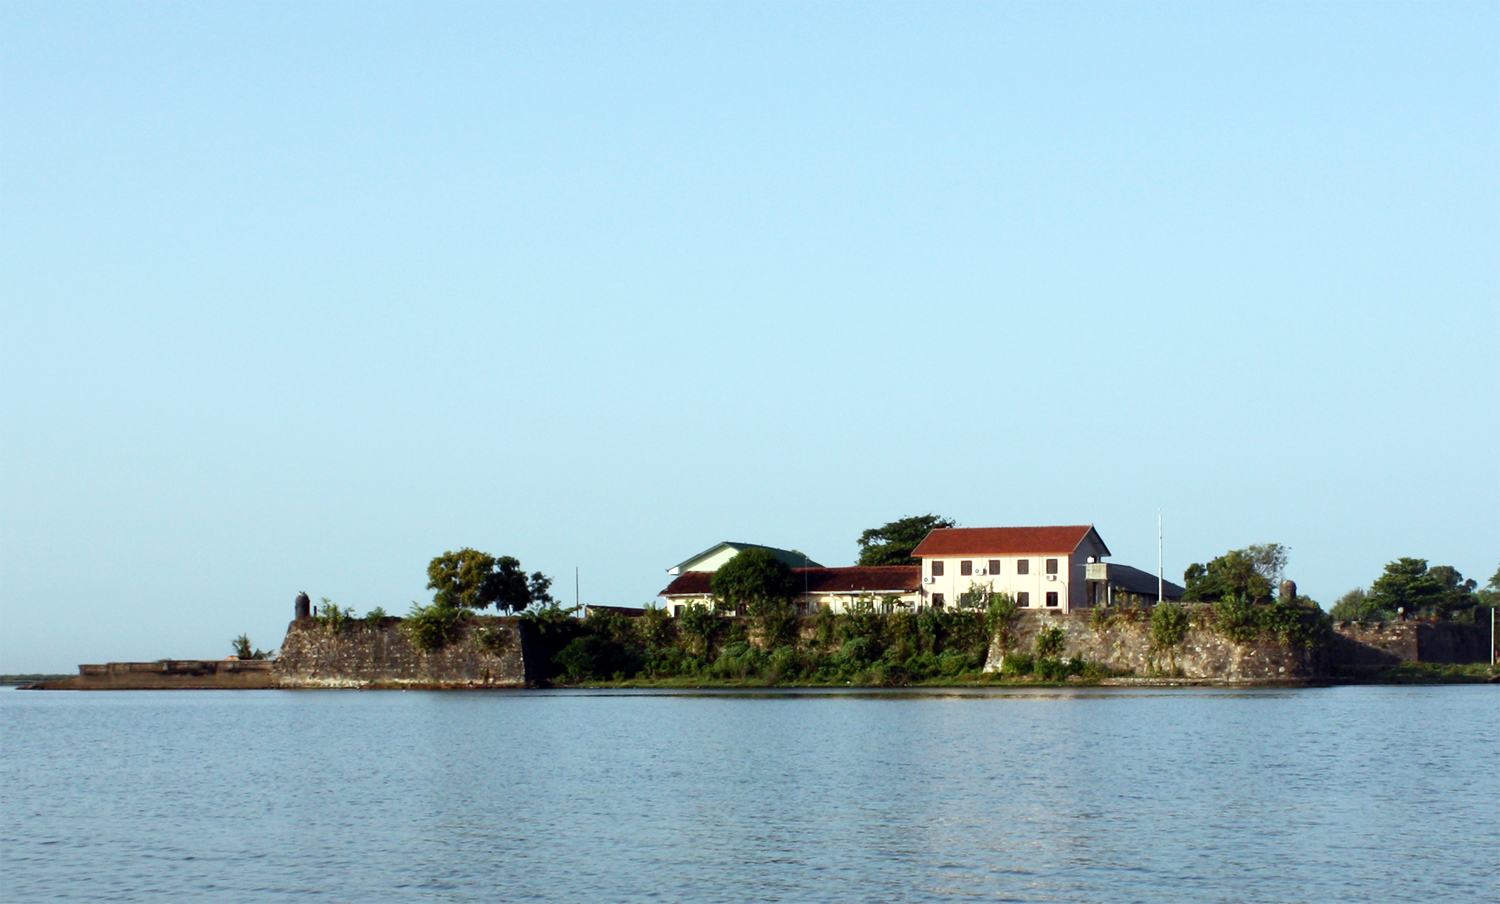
(1125, 645)
(366, 655)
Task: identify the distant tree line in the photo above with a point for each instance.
(1409, 588)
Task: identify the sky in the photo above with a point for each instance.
(298, 296)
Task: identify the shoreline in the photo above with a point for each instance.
(1406, 674)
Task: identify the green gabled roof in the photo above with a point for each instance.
(789, 557)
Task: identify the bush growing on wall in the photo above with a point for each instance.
(1244, 622)
(332, 617)
(863, 646)
(1169, 625)
(433, 627)
(1049, 641)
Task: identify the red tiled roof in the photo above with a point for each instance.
(690, 582)
(905, 578)
(978, 541)
(862, 577)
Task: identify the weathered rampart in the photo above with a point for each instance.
(189, 674)
(1386, 644)
(361, 654)
(1124, 644)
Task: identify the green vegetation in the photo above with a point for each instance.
(1409, 588)
(470, 579)
(1049, 642)
(464, 581)
(1243, 584)
(245, 650)
(434, 626)
(1169, 625)
(1424, 673)
(496, 640)
(376, 617)
(331, 616)
(862, 647)
(1252, 574)
(757, 584)
(1303, 622)
(892, 543)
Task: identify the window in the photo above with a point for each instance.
(676, 611)
(1023, 599)
(1052, 598)
(966, 567)
(937, 601)
(1023, 566)
(1052, 566)
(994, 566)
(937, 568)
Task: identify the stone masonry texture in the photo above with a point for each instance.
(364, 655)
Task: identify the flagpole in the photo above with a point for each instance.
(1160, 583)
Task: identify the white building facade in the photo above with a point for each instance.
(1040, 567)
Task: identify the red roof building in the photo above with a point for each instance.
(1041, 567)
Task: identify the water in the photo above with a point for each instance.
(1336, 794)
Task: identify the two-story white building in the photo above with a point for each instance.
(1041, 567)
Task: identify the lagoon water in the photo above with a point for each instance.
(1332, 794)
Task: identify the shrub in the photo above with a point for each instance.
(245, 650)
(656, 627)
(376, 617)
(433, 627)
(331, 617)
(775, 622)
(495, 640)
(701, 624)
(1017, 665)
(1236, 619)
(1169, 625)
(594, 658)
(738, 660)
(1049, 641)
(1243, 622)
(1000, 618)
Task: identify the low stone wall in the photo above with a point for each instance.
(1125, 645)
(195, 674)
(1386, 644)
(365, 655)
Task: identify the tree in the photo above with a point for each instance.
(245, 650)
(1251, 575)
(470, 579)
(754, 579)
(1490, 595)
(1408, 584)
(892, 543)
(1353, 606)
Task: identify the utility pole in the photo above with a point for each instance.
(577, 600)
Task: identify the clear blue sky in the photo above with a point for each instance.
(296, 297)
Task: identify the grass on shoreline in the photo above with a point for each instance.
(1406, 673)
(1421, 673)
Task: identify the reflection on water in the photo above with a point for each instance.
(1347, 794)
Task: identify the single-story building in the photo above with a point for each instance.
(885, 586)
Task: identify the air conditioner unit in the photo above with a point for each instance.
(929, 580)
(1051, 577)
(981, 571)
